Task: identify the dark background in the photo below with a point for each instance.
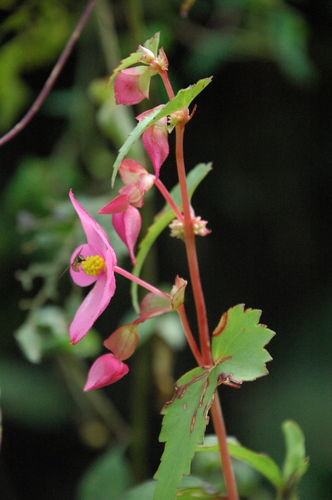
(266, 127)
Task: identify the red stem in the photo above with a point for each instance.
(52, 78)
(191, 250)
(141, 282)
(220, 430)
(164, 191)
(167, 83)
(216, 412)
(191, 341)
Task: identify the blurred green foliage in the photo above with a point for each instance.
(257, 46)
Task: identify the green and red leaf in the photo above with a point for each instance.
(184, 423)
(238, 345)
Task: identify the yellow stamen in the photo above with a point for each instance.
(93, 265)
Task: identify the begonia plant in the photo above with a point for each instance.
(232, 353)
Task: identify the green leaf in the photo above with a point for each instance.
(184, 423)
(153, 43)
(194, 178)
(142, 491)
(182, 100)
(107, 478)
(260, 462)
(32, 397)
(296, 463)
(241, 339)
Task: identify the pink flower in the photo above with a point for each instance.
(155, 141)
(125, 216)
(91, 262)
(106, 370)
(132, 85)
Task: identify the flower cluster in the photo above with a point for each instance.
(95, 261)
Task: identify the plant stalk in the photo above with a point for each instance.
(52, 78)
(216, 411)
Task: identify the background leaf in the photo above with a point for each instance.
(296, 463)
(107, 478)
(260, 462)
(185, 419)
(240, 337)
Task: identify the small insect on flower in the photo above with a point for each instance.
(75, 265)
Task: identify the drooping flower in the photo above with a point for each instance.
(106, 370)
(92, 262)
(155, 140)
(126, 218)
(132, 85)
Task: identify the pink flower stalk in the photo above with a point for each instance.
(125, 216)
(132, 85)
(92, 262)
(155, 141)
(106, 370)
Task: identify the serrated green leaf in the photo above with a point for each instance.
(182, 100)
(260, 462)
(240, 338)
(194, 178)
(296, 463)
(184, 423)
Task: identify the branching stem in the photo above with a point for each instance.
(168, 198)
(216, 411)
(52, 78)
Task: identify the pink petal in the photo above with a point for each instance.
(131, 85)
(130, 170)
(128, 225)
(99, 297)
(119, 204)
(134, 194)
(106, 370)
(95, 234)
(92, 306)
(155, 142)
